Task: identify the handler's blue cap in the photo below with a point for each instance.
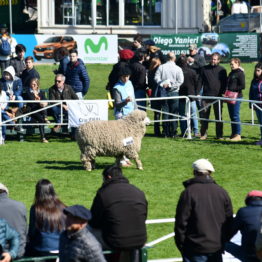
(78, 211)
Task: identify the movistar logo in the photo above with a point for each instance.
(96, 48)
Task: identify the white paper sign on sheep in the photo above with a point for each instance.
(83, 111)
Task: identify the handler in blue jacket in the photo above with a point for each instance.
(76, 75)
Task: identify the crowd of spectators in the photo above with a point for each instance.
(150, 74)
(116, 221)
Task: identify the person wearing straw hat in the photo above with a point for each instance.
(203, 216)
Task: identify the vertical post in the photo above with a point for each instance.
(10, 17)
(107, 12)
(1, 134)
(188, 118)
(93, 13)
(260, 16)
(142, 14)
(176, 16)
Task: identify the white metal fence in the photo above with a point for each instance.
(175, 117)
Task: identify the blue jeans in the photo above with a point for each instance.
(56, 110)
(140, 93)
(170, 106)
(259, 118)
(234, 113)
(197, 257)
(17, 98)
(194, 121)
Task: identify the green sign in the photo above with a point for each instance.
(93, 47)
(242, 45)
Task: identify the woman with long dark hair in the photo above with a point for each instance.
(235, 83)
(47, 220)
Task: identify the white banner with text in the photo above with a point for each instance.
(83, 111)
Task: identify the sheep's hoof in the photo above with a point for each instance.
(88, 168)
(140, 168)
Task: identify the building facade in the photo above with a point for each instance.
(123, 17)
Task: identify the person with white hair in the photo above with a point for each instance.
(203, 216)
(14, 213)
(169, 77)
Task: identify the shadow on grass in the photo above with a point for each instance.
(250, 141)
(70, 165)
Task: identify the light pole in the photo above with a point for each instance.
(10, 17)
(260, 16)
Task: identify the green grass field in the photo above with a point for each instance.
(167, 163)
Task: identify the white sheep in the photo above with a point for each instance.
(115, 138)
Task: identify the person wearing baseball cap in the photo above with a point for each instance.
(77, 243)
(247, 221)
(203, 216)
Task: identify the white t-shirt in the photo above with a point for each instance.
(3, 100)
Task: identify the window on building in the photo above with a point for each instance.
(73, 12)
(113, 12)
(133, 12)
(152, 12)
(143, 12)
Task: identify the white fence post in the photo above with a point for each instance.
(1, 133)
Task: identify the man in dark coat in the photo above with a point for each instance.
(213, 78)
(203, 216)
(61, 91)
(29, 73)
(18, 62)
(76, 75)
(119, 210)
(138, 78)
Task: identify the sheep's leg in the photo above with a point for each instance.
(93, 164)
(138, 163)
(87, 162)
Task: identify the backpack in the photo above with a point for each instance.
(5, 47)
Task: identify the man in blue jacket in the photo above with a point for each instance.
(76, 75)
(247, 221)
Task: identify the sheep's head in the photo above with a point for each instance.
(137, 116)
